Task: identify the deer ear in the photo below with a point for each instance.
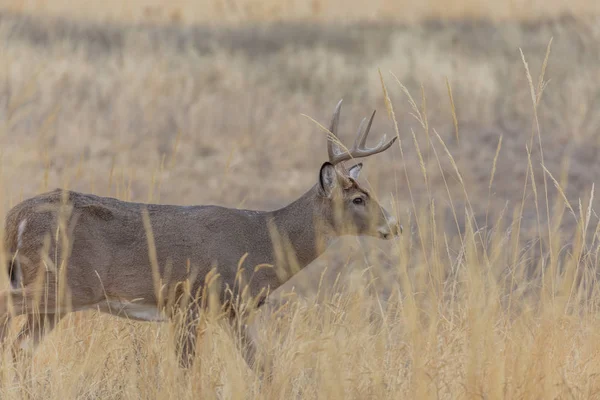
(327, 179)
(354, 171)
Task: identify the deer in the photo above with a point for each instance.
(67, 251)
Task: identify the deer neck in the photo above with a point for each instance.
(300, 230)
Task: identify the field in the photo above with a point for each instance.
(492, 290)
(236, 11)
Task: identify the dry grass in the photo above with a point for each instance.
(461, 306)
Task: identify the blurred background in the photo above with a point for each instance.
(196, 102)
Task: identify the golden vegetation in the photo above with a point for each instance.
(491, 292)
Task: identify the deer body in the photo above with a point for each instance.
(109, 263)
(112, 261)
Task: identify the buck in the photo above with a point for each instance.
(69, 251)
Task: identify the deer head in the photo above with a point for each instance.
(350, 207)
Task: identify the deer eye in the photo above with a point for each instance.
(358, 201)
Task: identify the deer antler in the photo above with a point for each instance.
(337, 155)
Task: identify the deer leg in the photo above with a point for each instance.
(186, 337)
(6, 312)
(248, 346)
(4, 327)
(245, 338)
(32, 333)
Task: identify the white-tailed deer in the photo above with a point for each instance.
(68, 251)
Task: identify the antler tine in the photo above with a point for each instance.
(336, 117)
(359, 148)
(361, 138)
(381, 146)
(333, 148)
(359, 133)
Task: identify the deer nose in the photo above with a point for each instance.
(390, 229)
(395, 227)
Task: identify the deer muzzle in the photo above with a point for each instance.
(390, 229)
